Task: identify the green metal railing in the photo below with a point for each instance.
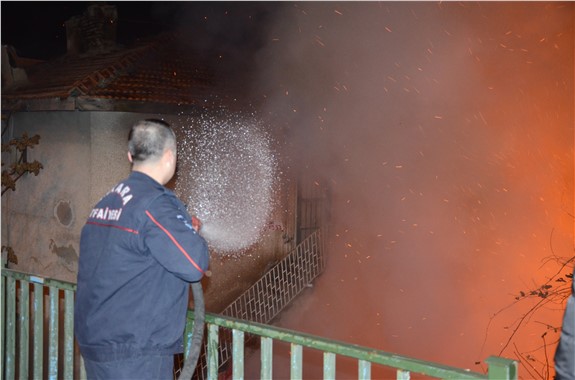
(37, 315)
(499, 368)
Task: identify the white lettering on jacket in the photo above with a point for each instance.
(106, 213)
(123, 191)
(111, 214)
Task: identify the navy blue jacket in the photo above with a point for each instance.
(138, 254)
(565, 352)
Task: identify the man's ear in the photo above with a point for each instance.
(169, 154)
(130, 157)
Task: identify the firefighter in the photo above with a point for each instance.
(565, 354)
(139, 250)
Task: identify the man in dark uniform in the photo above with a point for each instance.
(139, 250)
(565, 354)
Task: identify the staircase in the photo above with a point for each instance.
(265, 299)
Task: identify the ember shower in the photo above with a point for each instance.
(446, 133)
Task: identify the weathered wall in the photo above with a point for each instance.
(82, 157)
(44, 241)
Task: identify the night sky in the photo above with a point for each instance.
(37, 29)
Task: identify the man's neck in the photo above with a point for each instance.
(150, 171)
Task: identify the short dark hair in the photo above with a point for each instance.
(148, 139)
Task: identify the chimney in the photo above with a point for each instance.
(11, 73)
(94, 31)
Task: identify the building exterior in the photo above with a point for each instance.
(82, 106)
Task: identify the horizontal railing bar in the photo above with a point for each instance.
(341, 348)
(39, 280)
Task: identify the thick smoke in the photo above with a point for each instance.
(445, 131)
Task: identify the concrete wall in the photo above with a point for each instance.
(83, 155)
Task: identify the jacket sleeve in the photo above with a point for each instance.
(565, 352)
(171, 240)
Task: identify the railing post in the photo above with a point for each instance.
(213, 342)
(501, 368)
(3, 319)
(53, 334)
(238, 355)
(266, 358)
(10, 328)
(38, 350)
(364, 370)
(68, 334)
(403, 375)
(329, 366)
(296, 356)
(24, 324)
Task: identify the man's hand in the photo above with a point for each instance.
(196, 223)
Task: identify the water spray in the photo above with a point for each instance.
(227, 176)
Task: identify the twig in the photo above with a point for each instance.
(527, 364)
(530, 311)
(546, 358)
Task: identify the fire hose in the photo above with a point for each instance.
(197, 333)
(191, 360)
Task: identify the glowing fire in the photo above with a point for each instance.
(450, 158)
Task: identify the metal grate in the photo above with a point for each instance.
(271, 294)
